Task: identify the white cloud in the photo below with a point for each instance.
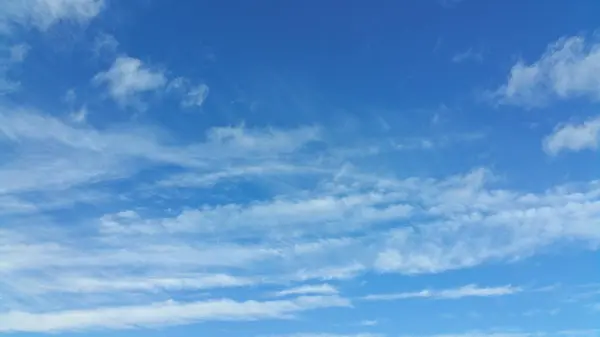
(238, 207)
(191, 95)
(81, 283)
(483, 225)
(321, 289)
(569, 68)
(448, 294)
(574, 137)
(160, 314)
(196, 96)
(43, 14)
(114, 153)
(200, 180)
(128, 77)
(317, 223)
(321, 213)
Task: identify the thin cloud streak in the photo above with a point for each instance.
(447, 294)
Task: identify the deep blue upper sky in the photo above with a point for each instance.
(300, 169)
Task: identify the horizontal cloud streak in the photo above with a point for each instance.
(158, 314)
(448, 294)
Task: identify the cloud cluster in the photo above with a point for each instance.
(329, 221)
(569, 69)
(128, 79)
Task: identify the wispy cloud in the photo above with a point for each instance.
(569, 68)
(339, 229)
(105, 44)
(81, 283)
(43, 14)
(448, 294)
(115, 222)
(322, 289)
(190, 95)
(160, 314)
(128, 77)
(468, 55)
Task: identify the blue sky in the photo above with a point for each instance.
(300, 169)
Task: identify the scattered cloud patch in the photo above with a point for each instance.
(129, 77)
(574, 137)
